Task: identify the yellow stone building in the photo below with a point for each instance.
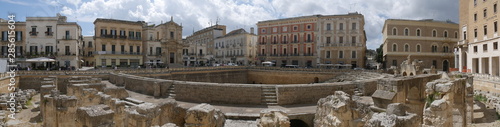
(430, 41)
(118, 43)
(163, 45)
(201, 45)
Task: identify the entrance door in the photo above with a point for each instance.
(172, 57)
(446, 66)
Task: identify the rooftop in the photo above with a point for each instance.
(310, 16)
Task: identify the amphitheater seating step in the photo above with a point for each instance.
(269, 96)
(135, 101)
(171, 91)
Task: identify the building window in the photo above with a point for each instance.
(485, 47)
(353, 26)
(285, 29)
(90, 43)
(275, 29)
(445, 33)
(495, 27)
(394, 31)
(456, 34)
(19, 35)
(328, 40)
(263, 31)
(394, 47)
(407, 48)
(172, 35)
(394, 63)
(475, 33)
(418, 32)
(484, 13)
(434, 33)
(341, 54)
(295, 51)
(295, 38)
(353, 54)
(407, 32)
(475, 17)
(308, 27)
(113, 48)
(328, 26)
(434, 63)
(158, 51)
(445, 49)
(66, 50)
(418, 48)
(327, 54)
(475, 2)
(353, 39)
(138, 49)
(341, 26)
(49, 31)
(309, 38)
(341, 39)
(475, 48)
(103, 48)
(295, 28)
(131, 49)
(495, 45)
(495, 8)
(485, 30)
(434, 48)
(33, 31)
(465, 35)
(122, 48)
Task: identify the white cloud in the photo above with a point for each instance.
(196, 14)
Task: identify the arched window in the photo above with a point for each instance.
(407, 48)
(456, 34)
(445, 33)
(434, 33)
(434, 48)
(418, 32)
(407, 32)
(394, 31)
(418, 48)
(394, 47)
(445, 48)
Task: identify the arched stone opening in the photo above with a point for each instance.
(298, 123)
(316, 80)
(411, 74)
(404, 74)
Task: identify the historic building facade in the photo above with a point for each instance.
(478, 46)
(238, 47)
(430, 41)
(342, 40)
(201, 45)
(163, 45)
(118, 43)
(88, 50)
(20, 37)
(311, 40)
(69, 37)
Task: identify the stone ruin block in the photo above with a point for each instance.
(396, 116)
(273, 118)
(204, 115)
(143, 115)
(58, 110)
(171, 112)
(337, 110)
(95, 116)
(117, 92)
(447, 102)
(382, 98)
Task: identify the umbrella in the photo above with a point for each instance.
(40, 59)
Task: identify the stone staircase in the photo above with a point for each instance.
(269, 96)
(171, 91)
(132, 102)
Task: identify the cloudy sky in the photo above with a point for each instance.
(197, 14)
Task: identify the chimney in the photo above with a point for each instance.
(251, 30)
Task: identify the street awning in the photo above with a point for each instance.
(40, 59)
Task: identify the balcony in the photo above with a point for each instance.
(67, 38)
(108, 36)
(296, 54)
(273, 55)
(308, 54)
(463, 42)
(284, 42)
(122, 37)
(116, 53)
(33, 33)
(295, 41)
(262, 54)
(47, 33)
(308, 41)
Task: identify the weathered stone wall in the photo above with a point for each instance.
(310, 93)
(216, 76)
(144, 85)
(487, 83)
(447, 102)
(337, 110)
(34, 81)
(287, 77)
(218, 92)
(204, 115)
(4, 84)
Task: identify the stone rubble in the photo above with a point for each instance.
(273, 118)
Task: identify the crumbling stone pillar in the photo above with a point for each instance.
(204, 115)
(336, 110)
(171, 112)
(95, 116)
(273, 118)
(396, 115)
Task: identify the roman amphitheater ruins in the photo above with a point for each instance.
(248, 97)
